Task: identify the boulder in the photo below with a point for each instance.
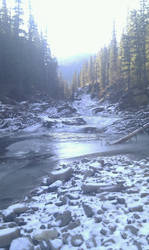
(94, 130)
(74, 122)
(46, 234)
(88, 210)
(55, 244)
(53, 187)
(67, 108)
(77, 240)
(62, 175)
(90, 130)
(64, 218)
(136, 209)
(49, 124)
(10, 213)
(22, 243)
(132, 229)
(98, 110)
(7, 235)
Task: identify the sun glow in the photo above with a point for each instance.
(80, 26)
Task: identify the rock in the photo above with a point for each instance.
(147, 238)
(62, 175)
(73, 196)
(7, 235)
(65, 218)
(90, 188)
(45, 235)
(21, 243)
(77, 240)
(111, 198)
(55, 244)
(85, 160)
(132, 229)
(53, 187)
(98, 219)
(63, 201)
(138, 245)
(136, 216)
(88, 210)
(112, 228)
(90, 130)
(65, 237)
(108, 242)
(121, 201)
(89, 173)
(49, 124)
(73, 224)
(103, 231)
(136, 209)
(68, 110)
(124, 235)
(8, 225)
(74, 122)
(20, 221)
(144, 195)
(100, 211)
(98, 110)
(10, 213)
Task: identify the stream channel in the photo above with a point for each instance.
(26, 156)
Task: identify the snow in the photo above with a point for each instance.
(21, 244)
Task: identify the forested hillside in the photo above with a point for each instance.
(26, 64)
(68, 66)
(122, 69)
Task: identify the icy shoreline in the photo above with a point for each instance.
(87, 204)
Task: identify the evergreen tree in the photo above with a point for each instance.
(26, 64)
(125, 59)
(113, 60)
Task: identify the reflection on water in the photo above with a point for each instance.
(75, 149)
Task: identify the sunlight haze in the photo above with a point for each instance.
(80, 26)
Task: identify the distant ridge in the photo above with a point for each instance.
(69, 65)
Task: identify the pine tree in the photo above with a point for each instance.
(18, 19)
(125, 60)
(113, 60)
(143, 34)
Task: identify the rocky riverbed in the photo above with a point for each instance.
(90, 202)
(101, 203)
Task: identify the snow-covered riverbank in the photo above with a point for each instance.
(101, 203)
(88, 203)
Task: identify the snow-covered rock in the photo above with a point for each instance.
(16, 208)
(22, 243)
(63, 175)
(13, 210)
(7, 235)
(45, 235)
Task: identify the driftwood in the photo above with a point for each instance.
(127, 137)
(97, 188)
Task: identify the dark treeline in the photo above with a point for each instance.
(26, 64)
(122, 66)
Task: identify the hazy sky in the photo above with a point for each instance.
(80, 26)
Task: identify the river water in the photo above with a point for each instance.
(30, 154)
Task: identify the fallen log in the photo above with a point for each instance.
(127, 137)
(97, 188)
